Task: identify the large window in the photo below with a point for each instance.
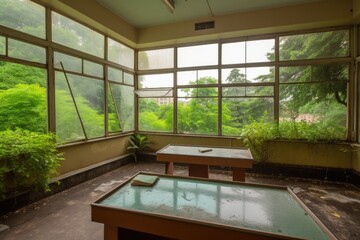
(304, 86)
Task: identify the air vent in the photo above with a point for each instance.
(204, 25)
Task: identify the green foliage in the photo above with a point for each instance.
(256, 134)
(137, 144)
(27, 159)
(23, 106)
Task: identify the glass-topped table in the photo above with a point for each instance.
(237, 158)
(190, 208)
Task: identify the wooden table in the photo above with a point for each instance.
(237, 158)
(193, 208)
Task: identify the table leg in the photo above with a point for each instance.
(169, 168)
(111, 232)
(196, 170)
(238, 174)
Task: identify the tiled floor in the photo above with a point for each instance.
(66, 215)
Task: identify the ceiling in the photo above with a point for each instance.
(150, 13)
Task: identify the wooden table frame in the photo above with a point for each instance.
(116, 220)
(199, 164)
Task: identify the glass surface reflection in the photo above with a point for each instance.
(243, 206)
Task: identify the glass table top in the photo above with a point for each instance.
(243, 206)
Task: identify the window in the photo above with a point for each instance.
(121, 54)
(120, 108)
(315, 45)
(2, 46)
(197, 77)
(24, 16)
(26, 51)
(248, 52)
(317, 95)
(196, 56)
(198, 110)
(156, 59)
(156, 102)
(23, 97)
(75, 35)
(85, 95)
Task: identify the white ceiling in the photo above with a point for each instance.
(149, 13)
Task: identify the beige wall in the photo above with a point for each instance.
(311, 154)
(356, 157)
(84, 155)
(306, 16)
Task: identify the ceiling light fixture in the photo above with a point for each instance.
(170, 4)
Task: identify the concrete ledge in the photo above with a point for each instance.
(62, 182)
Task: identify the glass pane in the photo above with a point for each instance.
(197, 92)
(68, 126)
(197, 77)
(26, 51)
(128, 78)
(295, 74)
(198, 116)
(23, 98)
(260, 91)
(315, 73)
(70, 63)
(238, 112)
(2, 46)
(75, 35)
(156, 80)
(121, 108)
(233, 53)
(156, 59)
(235, 75)
(24, 16)
(120, 54)
(260, 74)
(201, 55)
(93, 69)
(322, 105)
(233, 91)
(156, 114)
(89, 97)
(315, 45)
(115, 75)
(260, 51)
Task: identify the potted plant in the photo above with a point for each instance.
(27, 159)
(137, 143)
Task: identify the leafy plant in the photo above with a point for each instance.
(27, 159)
(137, 143)
(256, 134)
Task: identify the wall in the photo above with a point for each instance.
(306, 16)
(356, 157)
(84, 155)
(311, 154)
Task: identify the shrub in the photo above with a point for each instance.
(27, 159)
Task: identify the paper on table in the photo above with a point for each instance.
(144, 180)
